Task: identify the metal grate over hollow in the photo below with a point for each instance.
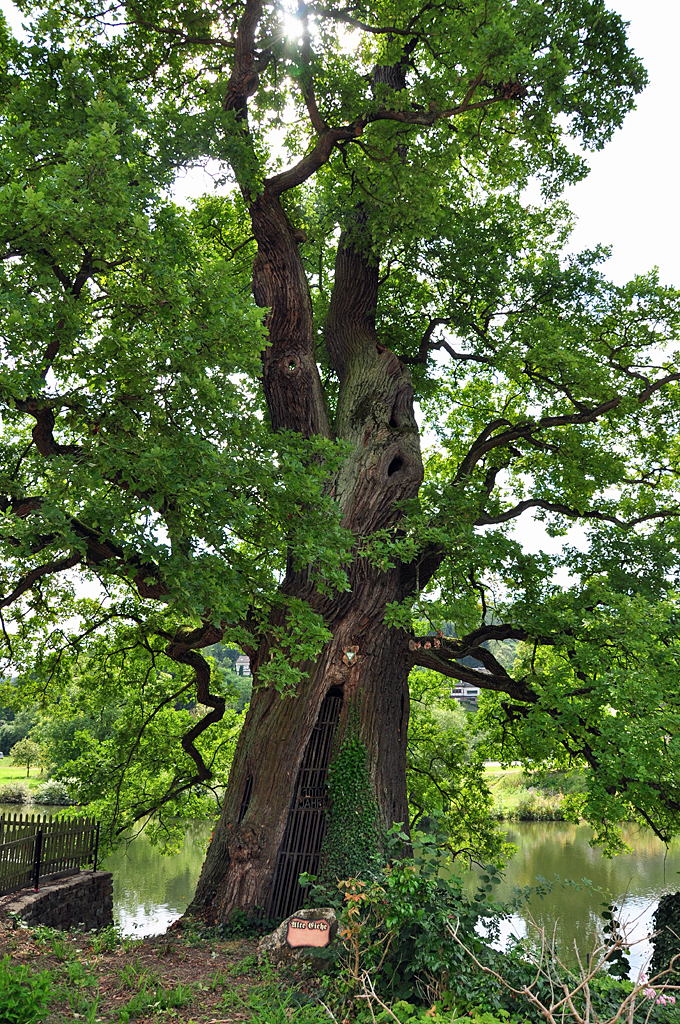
(306, 825)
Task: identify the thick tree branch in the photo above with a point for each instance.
(649, 391)
(180, 37)
(327, 141)
(485, 442)
(31, 578)
(444, 654)
(244, 79)
(347, 19)
(98, 549)
(307, 88)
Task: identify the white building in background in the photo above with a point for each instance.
(242, 665)
(463, 692)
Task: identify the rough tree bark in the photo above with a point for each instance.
(375, 415)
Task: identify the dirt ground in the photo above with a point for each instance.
(180, 976)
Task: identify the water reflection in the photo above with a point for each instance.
(557, 851)
(151, 891)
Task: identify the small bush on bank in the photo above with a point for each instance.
(52, 792)
(15, 793)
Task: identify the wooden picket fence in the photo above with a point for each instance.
(37, 848)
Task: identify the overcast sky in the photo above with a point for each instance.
(630, 198)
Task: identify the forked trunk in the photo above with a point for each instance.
(275, 809)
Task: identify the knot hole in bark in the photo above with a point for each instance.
(290, 364)
(395, 465)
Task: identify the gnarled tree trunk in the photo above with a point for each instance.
(365, 664)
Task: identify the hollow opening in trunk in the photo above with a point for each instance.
(306, 823)
(245, 802)
(395, 465)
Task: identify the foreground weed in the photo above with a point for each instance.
(232, 1000)
(24, 996)
(270, 1004)
(134, 976)
(154, 999)
(106, 940)
(249, 965)
(54, 939)
(218, 980)
(78, 974)
(130, 944)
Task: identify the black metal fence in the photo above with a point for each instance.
(38, 849)
(306, 824)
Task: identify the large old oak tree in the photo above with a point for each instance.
(213, 472)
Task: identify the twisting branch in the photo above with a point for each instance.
(487, 440)
(30, 579)
(329, 139)
(566, 510)
(307, 87)
(178, 35)
(244, 79)
(427, 345)
(184, 650)
(347, 19)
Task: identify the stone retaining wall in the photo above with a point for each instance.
(82, 901)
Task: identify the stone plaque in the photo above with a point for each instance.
(307, 933)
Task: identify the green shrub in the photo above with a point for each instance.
(24, 996)
(15, 793)
(394, 925)
(52, 792)
(409, 1013)
(535, 806)
(666, 942)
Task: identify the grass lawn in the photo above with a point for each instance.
(506, 785)
(10, 773)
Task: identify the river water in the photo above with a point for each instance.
(151, 891)
(561, 854)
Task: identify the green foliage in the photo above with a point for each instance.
(352, 843)
(394, 925)
(153, 360)
(410, 1013)
(446, 783)
(24, 995)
